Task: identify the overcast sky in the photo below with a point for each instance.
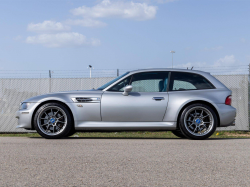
(109, 34)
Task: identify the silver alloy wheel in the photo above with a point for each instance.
(52, 120)
(199, 121)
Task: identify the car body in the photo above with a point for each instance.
(150, 99)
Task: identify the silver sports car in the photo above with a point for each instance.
(189, 103)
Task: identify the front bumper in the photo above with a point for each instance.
(25, 116)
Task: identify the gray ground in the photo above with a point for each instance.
(124, 162)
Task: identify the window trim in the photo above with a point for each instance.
(169, 76)
(193, 89)
(131, 76)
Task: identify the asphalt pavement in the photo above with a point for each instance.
(124, 162)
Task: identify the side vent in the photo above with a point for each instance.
(86, 99)
(83, 99)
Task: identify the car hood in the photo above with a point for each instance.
(64, 96)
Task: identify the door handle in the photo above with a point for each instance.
(158, 98)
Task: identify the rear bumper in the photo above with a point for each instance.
(227, 115)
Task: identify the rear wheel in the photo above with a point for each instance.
(178, 134)
(53, 120)
(198, 121)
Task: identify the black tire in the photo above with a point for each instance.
(71, 133)
(43, 130)
(198, 122)
(178, 134)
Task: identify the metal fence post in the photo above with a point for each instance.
(249, 95)
(117, 72)
(49, 81)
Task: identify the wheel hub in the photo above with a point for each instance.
(52, 120)
(198, 121)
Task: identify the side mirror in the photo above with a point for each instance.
(127, 89)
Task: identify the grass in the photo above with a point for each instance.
(138, 134)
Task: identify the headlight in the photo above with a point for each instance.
(24, 106)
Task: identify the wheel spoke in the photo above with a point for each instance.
(60, 117)
(201, 115)
(190, 125)
(195, 129)
(205, 116)
(204, 126)
(46, 114)
(61, 121)
(57, 128)
(200, 129)
(56, 112)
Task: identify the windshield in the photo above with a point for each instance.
(111, 82)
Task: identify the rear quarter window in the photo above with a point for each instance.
(180, 81)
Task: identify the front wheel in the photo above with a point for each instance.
(53, 120)
(198, 121)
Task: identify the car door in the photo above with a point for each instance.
(146, 102)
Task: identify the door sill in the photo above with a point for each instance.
(125, 126)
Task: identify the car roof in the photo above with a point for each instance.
(207, 75)
(169, 69)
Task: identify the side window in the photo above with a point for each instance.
(188, 81)
(150, 82)
(183, 85)
(119, 86)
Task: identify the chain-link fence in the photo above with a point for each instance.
(16, 86)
